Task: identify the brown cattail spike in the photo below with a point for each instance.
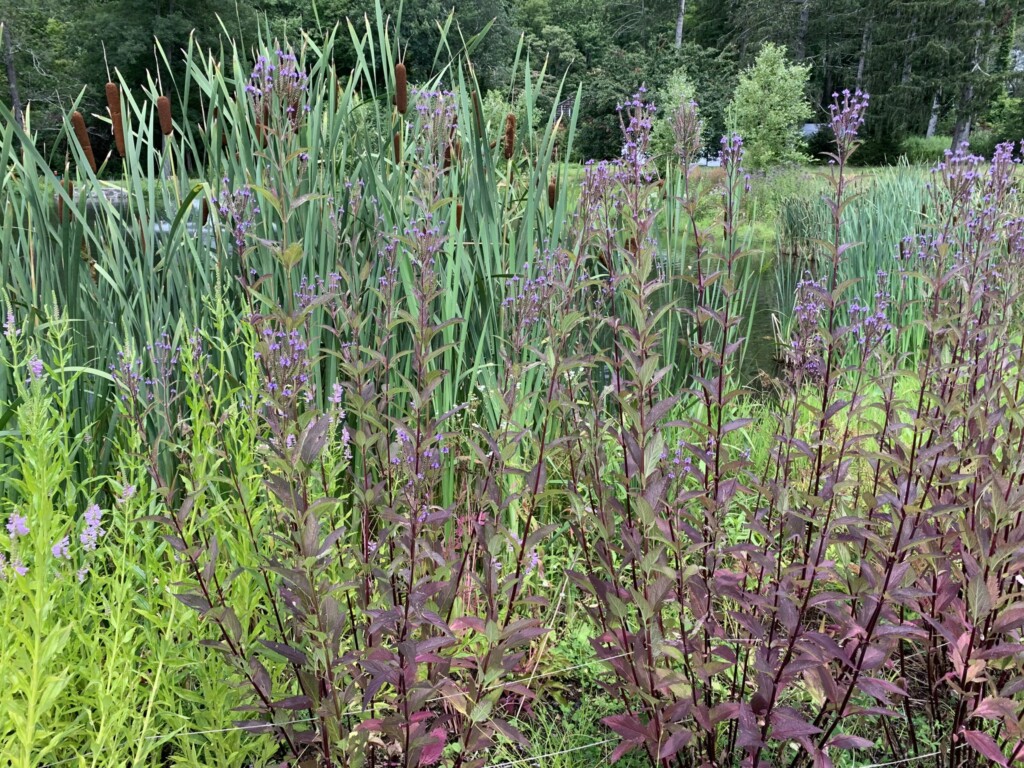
(458, 216)
(205, 216)
(510, 136)
(401, 88)
(78, 123)
(163, 110)
(398, 147)
(114, 107)
(552, 193)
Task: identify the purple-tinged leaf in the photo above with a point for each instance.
(291, 654)
(313, 439)
(985, 746)
(845, 741)
(294, 703)
(194, 600)
(995, 708)
(177, 544)
(434, 747)
(671, 746)
(788, 724)
(260, 677)
(1009, 619)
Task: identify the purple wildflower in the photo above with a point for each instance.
(62, 549)
(35, 369)
(17, 525)
(93, 530)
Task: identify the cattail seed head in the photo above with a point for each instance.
(114, 108)
(78, 123)
(205, 216)
(510, 136)
(458, 216)
(398, 147)
(401, 88)
(552, 193)
(163, 109)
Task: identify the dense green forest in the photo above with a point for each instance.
(934, 67)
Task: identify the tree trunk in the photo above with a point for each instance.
(679, 24)
(12, 75)
(966, 108)
(800, 47)
(933, 120)
(865, 43)
(964, 117)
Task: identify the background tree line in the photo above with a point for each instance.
(946, 67)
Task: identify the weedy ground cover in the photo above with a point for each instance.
(380, 443)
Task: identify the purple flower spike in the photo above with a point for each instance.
(93, 530)
(62, 549)
(17, 526)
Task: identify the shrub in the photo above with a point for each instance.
(769, 108)
(921, 150)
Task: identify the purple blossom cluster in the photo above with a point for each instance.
(846, 117)
(427, 237)
(529, 296)
(731, 154)
(17, 526)
(12, 563)
(418, 454)
(240, 208)
(600, 201)
(316, 290)
(870, 324)
(437, 118)
(36, 371)
(806, 348)
(93, 531)
(625, 186)
(11, 329)
(679, 463)
(283, 358)
(636, 116)
(16, 567)
(278, 85)
(143, 382)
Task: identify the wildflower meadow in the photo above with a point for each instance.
(345, 423)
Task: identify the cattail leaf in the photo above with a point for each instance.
(183, 210)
